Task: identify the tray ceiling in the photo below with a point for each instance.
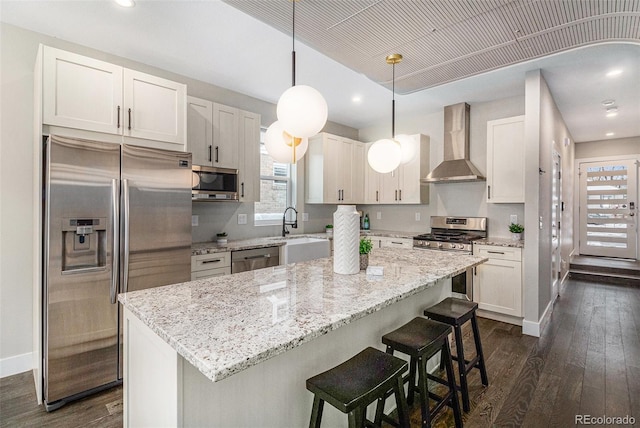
(442, 40)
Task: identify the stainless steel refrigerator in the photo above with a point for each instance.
(117, 219)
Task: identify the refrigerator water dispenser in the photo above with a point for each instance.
(84, 243)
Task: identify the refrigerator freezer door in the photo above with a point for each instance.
(80, 321)
(156, 218)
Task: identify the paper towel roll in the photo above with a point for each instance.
(346, 240)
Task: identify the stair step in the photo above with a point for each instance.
(605, 270)
(609, 278)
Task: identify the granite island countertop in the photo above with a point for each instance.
(224, 325)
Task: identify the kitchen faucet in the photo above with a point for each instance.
(285, 223)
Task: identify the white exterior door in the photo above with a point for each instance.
(608, 208)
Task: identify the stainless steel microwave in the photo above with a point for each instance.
(214, 184)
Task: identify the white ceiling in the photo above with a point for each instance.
(216, 43)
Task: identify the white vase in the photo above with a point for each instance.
(516, 236)
(346, 240)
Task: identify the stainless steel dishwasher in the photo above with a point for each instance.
(257, 258)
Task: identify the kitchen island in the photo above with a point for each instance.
(236, 350)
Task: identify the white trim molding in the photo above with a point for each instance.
(16, 364)
(532, 328)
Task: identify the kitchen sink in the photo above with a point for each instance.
(305, 248)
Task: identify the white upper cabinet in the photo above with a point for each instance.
(334, 172)
(505, 160)
(199, 130)
(249, 157)
(226, 144)
(81, 92)
(87, 94)
(226, 137)
(155, 108)
(401, 186)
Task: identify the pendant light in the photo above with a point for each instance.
(387, 154)
(302, 113)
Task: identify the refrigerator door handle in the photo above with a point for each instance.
(125, 259)
(115, 252)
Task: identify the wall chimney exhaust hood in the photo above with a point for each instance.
(456, 166)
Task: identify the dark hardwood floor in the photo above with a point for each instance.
(587, 361)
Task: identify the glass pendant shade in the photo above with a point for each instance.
(384, 156)
(407, 147)
(280, 144)
(302, 111)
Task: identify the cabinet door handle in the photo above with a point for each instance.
(488, 192)
(242, 189)
(129, 119)
(376, 196)
(217, 152)
(210, 153)
(400, 193)
(204, 262)
(495, 252)
(475, 271)
(395, 242)
(118, 117)
(396, 197)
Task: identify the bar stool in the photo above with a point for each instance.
(351, 386)
(421, 339)
(456, 312)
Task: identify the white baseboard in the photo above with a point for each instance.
(499, 317)
(532, 328)
(16, 364)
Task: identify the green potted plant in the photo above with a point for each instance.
(365, 248)
(329, 229)
(516, 231)
(221, 237)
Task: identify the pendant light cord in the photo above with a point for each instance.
(293, 46)
(393, 101)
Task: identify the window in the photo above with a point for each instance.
(275, 188)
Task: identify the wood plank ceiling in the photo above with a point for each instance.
(446, 40)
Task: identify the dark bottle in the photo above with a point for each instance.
(365, 223)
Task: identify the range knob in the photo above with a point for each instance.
(439, 244)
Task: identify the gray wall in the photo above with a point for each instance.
(18, 48)
(463, 199)
(607, 148)
(545, 131)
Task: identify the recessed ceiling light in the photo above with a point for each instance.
(612, 109)
(612, 114)
(610, 134)
(608, 103)
(615, 72)
(356, 99)
(126, 3)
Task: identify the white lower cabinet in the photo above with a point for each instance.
(209, 265)
(497, 283)
(384, 241)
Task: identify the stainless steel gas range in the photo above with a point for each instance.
(454, 234)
